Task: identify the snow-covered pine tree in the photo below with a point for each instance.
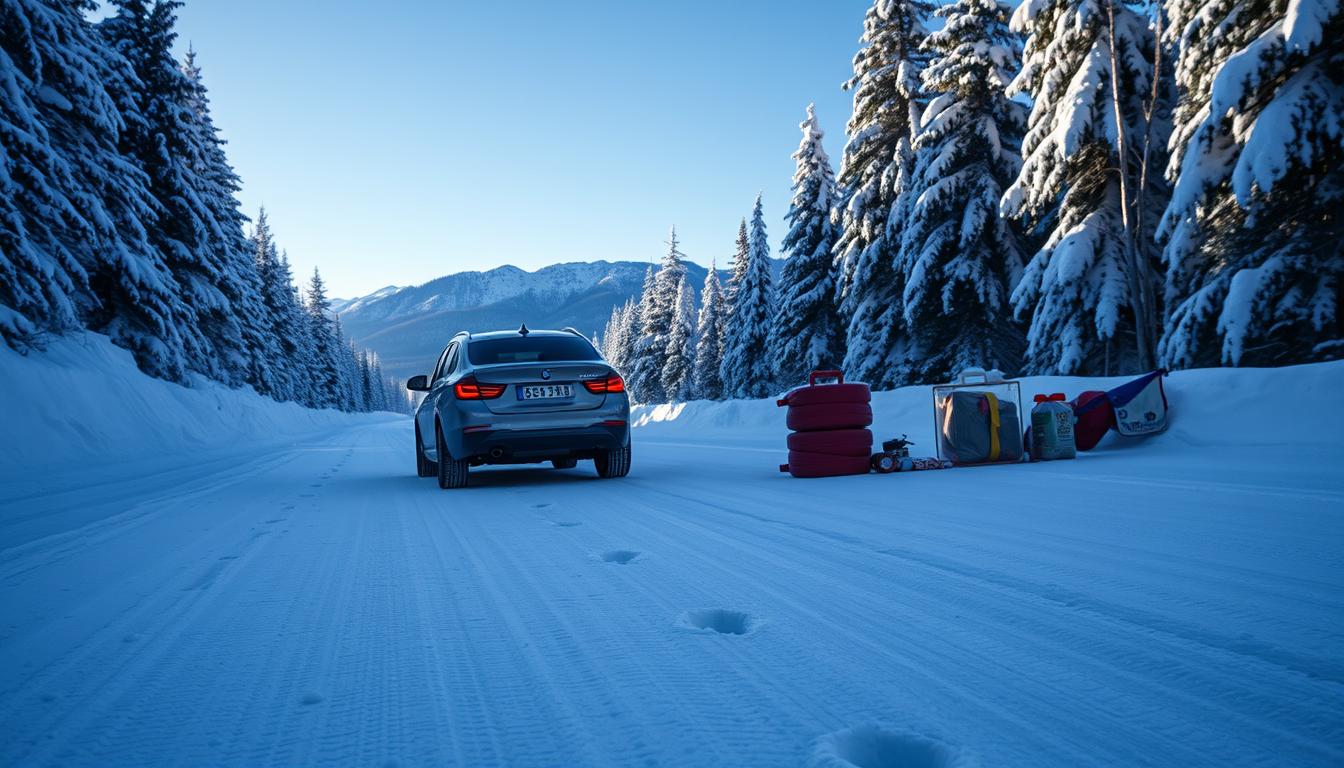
(288, 340)
(741, 258)
(680, 344)
(70, 206)
(327, 379)
(960, 259)
(807, 334)
(164, 142)
(1087, 285)
(613, 343)
(747, 367)
(307, 364)
(40, 273)
(706, 378)
(364, 379)
(887, 102)
(737, 276)
(635, 373)
(629, 334)
(215, 184)
(368, 384)
(347, 367)
(1254, 264)
(382, 396)
(656, 309)
(268, 371)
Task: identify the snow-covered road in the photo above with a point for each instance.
(316, 602)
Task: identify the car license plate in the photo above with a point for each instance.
(545, 391)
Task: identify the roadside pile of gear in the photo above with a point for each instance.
(977, 420)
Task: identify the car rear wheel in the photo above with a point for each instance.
(565, 463)
(452, 472)
(613, 463)
(423, 466)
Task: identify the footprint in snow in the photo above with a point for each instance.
(720, 620)
(540, 506)
(619, 556)
(559, 524)
(870, 745)
(310, 698)
(276, 520)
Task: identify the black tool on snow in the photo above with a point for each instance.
(899, 446)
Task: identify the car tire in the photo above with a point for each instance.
(804, 464)
(564, 463)
(827, 416)
(423, 466)
(615, 463)
(838, 442)
(452, 472)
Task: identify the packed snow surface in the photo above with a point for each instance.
(268, 586)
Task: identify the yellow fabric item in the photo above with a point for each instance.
(993, 426)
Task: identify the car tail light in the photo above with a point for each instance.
(611, 384)
(471, 389)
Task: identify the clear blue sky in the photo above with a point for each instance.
(393, 142)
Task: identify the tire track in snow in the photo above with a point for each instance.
(602, 640)
(1276, 703)
(111, 678)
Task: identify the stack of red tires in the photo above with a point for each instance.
(829, 423)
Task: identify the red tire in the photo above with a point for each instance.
(803, 464)
(811, 418)
(837, 442)
(829, 393)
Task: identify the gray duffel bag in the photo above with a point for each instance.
(979, 427)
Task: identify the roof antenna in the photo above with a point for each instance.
(522, 330)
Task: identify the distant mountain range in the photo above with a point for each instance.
(408, 326)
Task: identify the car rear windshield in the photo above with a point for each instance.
(537, 349)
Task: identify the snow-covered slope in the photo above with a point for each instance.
(83, 402)
(1243, 408)
(350, 305)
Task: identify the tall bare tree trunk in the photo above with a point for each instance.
(1137, 269)
(1150, 300)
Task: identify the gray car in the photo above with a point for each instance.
(520, 397)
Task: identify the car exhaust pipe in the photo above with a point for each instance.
(496, 453)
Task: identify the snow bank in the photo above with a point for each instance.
(84, 400)
(1294, 406)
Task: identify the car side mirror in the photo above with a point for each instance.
(418, 383)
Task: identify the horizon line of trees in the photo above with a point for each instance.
(118, 215)
(1076, 187)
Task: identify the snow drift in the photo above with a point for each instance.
(84, 400)
(1291, 408)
